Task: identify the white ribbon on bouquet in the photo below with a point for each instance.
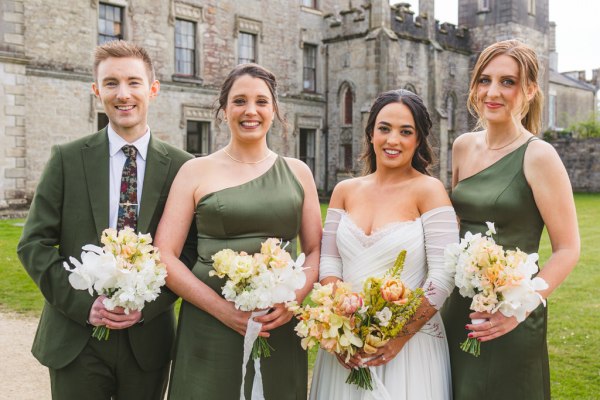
(379, 391)
(252, 331)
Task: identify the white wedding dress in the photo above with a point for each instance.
(421, 370)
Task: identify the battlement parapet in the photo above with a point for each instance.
(349, 22)
(453, 37)
(408, 26)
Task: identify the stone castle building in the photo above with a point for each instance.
(331, 57)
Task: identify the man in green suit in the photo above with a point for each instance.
(78, 196)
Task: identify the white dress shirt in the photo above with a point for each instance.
(117, 161)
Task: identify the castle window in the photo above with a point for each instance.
(246, 48)
(531, 7)
(483, 5)
(309, 3)
(552, 111)
(346, 156)
(347, 107)
(198, 138)
(185, 47)
(410, 60)
(310, 68)
(410, 87)
(450, 112)
(110, 23)
(308, 148)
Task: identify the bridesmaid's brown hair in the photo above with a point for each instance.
(255, 71)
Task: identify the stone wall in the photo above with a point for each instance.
(582, 160)
(12, 105)
(572, 104)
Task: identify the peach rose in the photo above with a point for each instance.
(347, 304)
(394, 291)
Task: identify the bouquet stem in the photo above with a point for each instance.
(261, 348)
(471, 346)
(101, 332)
(361, 377)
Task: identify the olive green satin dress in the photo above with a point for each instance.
(208, 355)
(515, 365)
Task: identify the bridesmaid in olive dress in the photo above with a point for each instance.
(239, 196)
(506, 175)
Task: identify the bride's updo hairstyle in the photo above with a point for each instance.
(423, 156)
(255, 71)
(530, 111)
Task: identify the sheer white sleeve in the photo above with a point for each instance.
(331, 262)
(441, 228)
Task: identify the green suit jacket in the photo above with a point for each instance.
(70, 209)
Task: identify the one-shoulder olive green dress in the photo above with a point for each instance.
(208, 354)
(515, 365)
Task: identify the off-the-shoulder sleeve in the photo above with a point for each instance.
(441, 229)
(331, 262)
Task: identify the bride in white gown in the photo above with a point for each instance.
(396, 206)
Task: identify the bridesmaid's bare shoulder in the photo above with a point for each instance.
(343, 189)
(467, 141)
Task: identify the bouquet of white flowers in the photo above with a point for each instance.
(496, 279)
(256, 283)
(127, 269)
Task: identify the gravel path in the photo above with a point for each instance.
(22, 376)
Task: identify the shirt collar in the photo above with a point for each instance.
(116, 142)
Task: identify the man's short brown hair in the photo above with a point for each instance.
(122, 49)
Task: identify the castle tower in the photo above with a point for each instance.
(527, 20)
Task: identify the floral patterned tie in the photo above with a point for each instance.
(128, 197)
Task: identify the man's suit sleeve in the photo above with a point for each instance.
(37, 248)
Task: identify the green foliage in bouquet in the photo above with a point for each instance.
(388, 306)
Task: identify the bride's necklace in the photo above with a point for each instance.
(504, 145)
(247, 162)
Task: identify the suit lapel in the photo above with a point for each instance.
(157, 170)
(95, 163)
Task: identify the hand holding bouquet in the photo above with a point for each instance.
(259, 281)
(496, 279)
(127, 269)
(389, 305)
(346, 323)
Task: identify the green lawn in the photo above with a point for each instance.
(574, 308)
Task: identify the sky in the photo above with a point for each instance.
(577, 30)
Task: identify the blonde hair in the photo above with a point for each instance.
(122, 49)
(531, 111)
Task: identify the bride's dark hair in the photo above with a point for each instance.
(423, 156)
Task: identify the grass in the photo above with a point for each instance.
(573, 326)
(574, 323)
(17, 291)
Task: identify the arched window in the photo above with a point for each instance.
(347, 106)
(410, 87)
(451, 111)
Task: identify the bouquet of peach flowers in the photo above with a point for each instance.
(345, 323)
(330, 320)
(388, 305)
(496, 279)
